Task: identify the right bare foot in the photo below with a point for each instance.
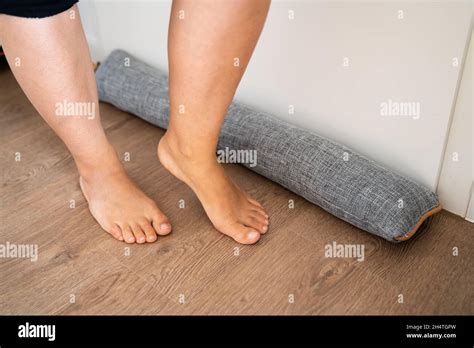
(230, 210)
(119, 206)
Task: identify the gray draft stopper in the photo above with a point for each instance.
(341, 181)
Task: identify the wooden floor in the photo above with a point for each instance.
(196, 270)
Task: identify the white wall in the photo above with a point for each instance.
(300, 62)
(138, 26)
(470, 210)
(457, 174)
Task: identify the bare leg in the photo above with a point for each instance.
(209, 50)
(51, 61)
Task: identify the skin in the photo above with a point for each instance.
(203, 78)
(203, 47)
(55, 66)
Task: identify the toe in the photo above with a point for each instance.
(127, 234)
(116, 232)
(149, 231)
(261, 214)
(257, 204)
(259, 209)
(253, 201)
(241, 233)
(161, 224)
(256, 221)
(264, 224)
(138, 233)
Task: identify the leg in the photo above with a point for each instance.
(55, 68)
(202, 50)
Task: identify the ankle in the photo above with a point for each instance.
(103, 162)
(189, 151)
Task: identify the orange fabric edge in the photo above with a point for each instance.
(422, 219)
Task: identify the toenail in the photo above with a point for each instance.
(165, 227)
(252, 235)
(130, 239)
(265, 228)
(141, 240)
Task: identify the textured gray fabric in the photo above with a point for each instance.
(332, 176)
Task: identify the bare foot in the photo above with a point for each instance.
(230, 210)
(119, 206)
